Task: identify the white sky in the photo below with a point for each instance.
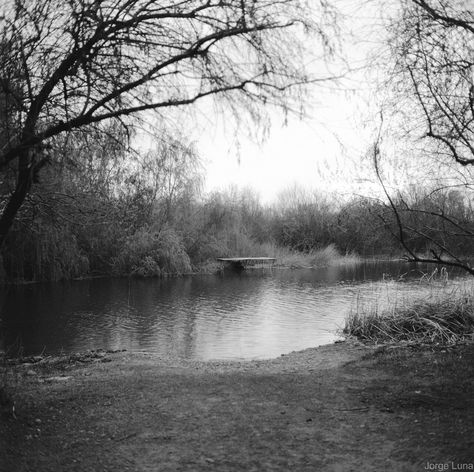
(321, 152)
(309, 153)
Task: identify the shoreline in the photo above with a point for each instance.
(215, 271)
(330, 354)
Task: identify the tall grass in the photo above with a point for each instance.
(241, 245)
(445, 318)
(324, 257)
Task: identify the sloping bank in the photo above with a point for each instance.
(339, 407)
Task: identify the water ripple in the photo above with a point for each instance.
(252, 315)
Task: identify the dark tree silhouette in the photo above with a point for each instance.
(78, 64)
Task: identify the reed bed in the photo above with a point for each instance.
(445, 318)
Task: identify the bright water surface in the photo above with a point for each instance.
(254, 314)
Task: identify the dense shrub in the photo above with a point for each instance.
(44, 252)
(152, 253)
(144, 219)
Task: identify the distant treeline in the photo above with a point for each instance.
(120, 215)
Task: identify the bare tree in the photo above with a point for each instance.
(432, 42)
(434, 46)
(76, 64)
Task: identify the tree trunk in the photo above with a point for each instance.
(17, 198)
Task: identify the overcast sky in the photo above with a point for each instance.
(322, 151)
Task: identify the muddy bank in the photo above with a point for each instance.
(338, 408)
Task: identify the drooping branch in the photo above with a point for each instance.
(86, 63)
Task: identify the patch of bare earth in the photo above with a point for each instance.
(336, 408)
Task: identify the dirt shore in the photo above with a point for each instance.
(341, 407)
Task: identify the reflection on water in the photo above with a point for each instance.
(254, 314)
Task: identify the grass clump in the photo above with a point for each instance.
(448, 319)
(324, 257)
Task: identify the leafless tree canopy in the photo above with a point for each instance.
(434, 45)
(69, 64)
(433, 76)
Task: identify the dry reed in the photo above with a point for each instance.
(446, 319)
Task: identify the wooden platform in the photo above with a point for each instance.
(247, 262)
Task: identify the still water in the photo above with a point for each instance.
(253, 314)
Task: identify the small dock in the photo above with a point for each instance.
(241, 263)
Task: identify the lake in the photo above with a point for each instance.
(252, 314)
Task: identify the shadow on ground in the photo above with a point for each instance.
(338, 408)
